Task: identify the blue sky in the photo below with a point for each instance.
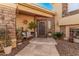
(47, 6)
(73, 6)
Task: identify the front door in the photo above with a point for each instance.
(41, 29)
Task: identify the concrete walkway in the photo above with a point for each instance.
(40, 47)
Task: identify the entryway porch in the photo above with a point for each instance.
(40, 47)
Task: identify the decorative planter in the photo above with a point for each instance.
(33, 34)
(65, 38)
(49, 34)
(76, 40)
(29, 34)
(8, 49)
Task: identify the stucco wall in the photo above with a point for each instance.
(21, 18)
(67, 32)
(58, 16)
(70, 20)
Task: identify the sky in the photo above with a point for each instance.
(73, 6)
(47, 6)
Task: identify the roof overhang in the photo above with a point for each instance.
(34, 9)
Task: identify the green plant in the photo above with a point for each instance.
(58, 35)
(2, 34)
(19, 34)
(32, 25)
(7, 41)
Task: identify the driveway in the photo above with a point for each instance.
(40, 47)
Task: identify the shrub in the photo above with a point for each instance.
(58, 35)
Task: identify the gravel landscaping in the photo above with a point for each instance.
(66, 48)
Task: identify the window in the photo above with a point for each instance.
(49, 24)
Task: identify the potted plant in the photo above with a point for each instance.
(32, 26)
(7, 42)
(58, 35)
(19, 35)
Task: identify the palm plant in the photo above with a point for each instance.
(32, 25)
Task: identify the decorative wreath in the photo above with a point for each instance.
(25, 21)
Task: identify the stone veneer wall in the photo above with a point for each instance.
(8, 16)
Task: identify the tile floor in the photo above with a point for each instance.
(40, 47)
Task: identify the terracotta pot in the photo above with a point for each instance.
(8, 49)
